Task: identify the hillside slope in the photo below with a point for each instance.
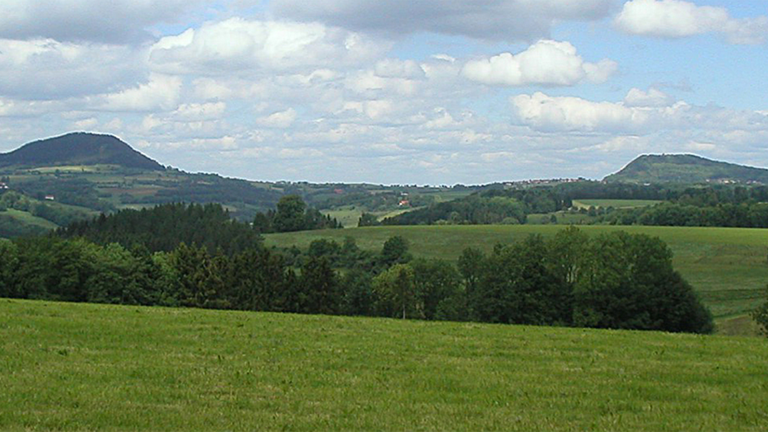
(94, 367)
(686, 168)
(78, 149)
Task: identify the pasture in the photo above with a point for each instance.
(78, 367)
(727, 266)
(615, 203)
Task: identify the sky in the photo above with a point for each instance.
(396, 92)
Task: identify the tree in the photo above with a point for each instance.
(9, 262)
(395, 292)
(627, 282)
(199, 276)
(368, 219)
(436, 282)
(262, 223)
(518, 284)
(290, 214)
(357, 296)
(471, 267)
(324, 248)
(319, 287)
(257, 280)
(395, 251)
(760, 315)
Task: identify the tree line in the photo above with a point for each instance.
(610, 281)
(714, 205)
(164, 227)
(743, 215)
(292, 214)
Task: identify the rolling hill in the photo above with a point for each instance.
(686, 168)
(78, 367)
(101, 173)
(78, 149)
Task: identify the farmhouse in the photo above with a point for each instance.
(3, 185)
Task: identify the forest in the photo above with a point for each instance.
(195, 256)
(709, 205)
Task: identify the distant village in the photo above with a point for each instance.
(541, 182)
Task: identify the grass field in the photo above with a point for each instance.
(349, 216)
(27, 218)
(727, 266)
(615, 203)
(78, 367)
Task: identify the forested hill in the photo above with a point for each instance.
(685, 168)
(78, 149)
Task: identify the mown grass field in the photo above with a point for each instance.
(615, 203)
(349, 216)
(79, 367)
(727, 266)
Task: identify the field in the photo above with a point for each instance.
(727, 266)
(27, 218)
(615, 203)
(78, 367)
(349, 215)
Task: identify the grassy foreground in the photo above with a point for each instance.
(78, 367)
(727, 266)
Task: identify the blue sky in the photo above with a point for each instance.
(427, 92)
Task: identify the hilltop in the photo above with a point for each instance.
(686, 168)
(78, 148)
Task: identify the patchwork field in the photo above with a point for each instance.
(727, 266)
(78, 367)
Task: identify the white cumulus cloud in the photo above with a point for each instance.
(161, 92)
(241, 44)
(679, 18)
(546, 62)
(651, 98)
(544, 112)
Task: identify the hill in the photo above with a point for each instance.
(686, 168)
(94, 367)
(78, 149)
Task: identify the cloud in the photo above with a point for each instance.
(238, 44)
(394, 68)
(678, 18)
(200, 111)
(570, 113)
(651, 98)
(161, 92)
(546, 62)
(641, 113)
(114, 21)
(509, 20)
(47, 69)
(279, 120)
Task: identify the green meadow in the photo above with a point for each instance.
(615, 203)
(84, 367)
(727, 266)
(28, 219)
